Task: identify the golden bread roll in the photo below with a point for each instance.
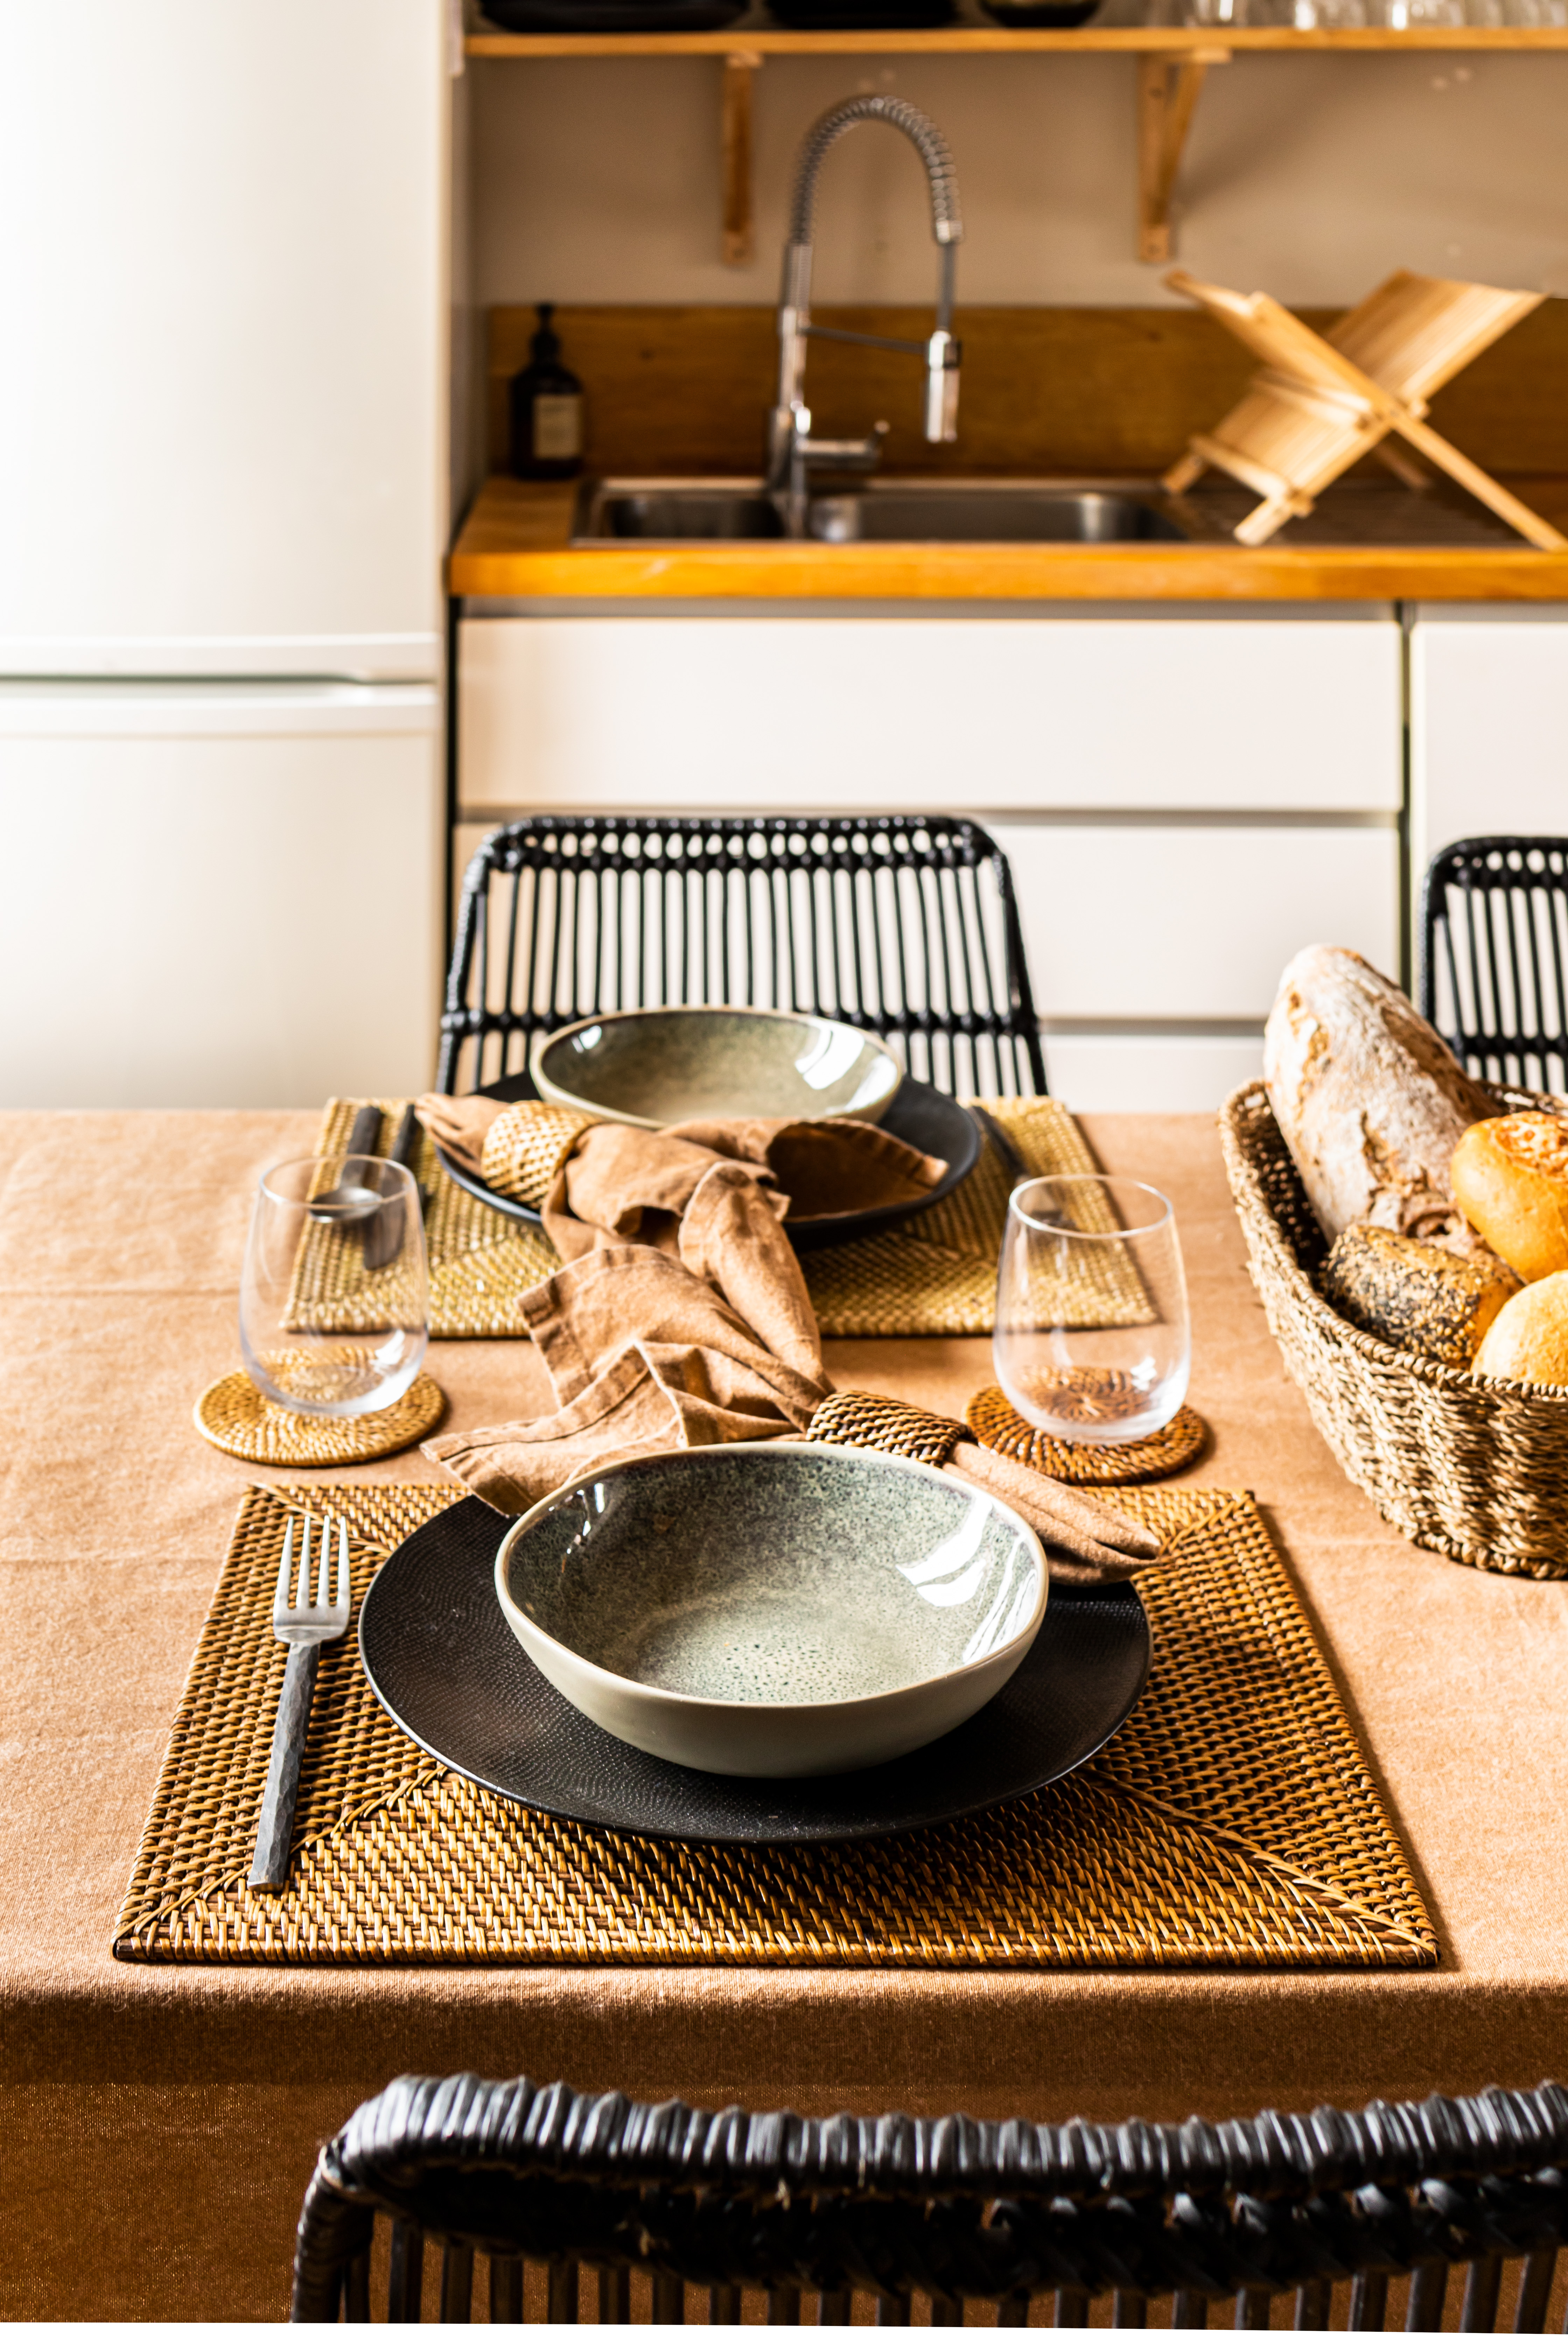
(1510, 1178)
(1417, 1295)
(1529, 1341)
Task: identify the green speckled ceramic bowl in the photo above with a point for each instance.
(773, 1610)
(682, 1062)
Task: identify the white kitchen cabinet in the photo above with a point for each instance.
(1117, 710)
(1171, 1070)
(1186, 797)
(1489, 724)
(1148, 923)
(218, 896)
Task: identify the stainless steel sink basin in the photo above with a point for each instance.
(610, 511)
(1077, 512)
(975, 511)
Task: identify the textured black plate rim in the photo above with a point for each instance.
(805, 1233)
(932, 1818)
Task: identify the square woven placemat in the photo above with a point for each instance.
(1233, 1821)
(933, 1275)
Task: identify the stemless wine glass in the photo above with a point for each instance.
(334, 1299)
(1093, 1342)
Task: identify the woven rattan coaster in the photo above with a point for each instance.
(995, 1424)
(933, 1275)
(235, 1416)
(1232, 1821)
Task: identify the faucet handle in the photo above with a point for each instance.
(854, 456)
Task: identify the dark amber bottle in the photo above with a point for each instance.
(546, 411)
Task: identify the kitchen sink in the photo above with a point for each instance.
(978, 511)
(609, 512)
(1077, 512)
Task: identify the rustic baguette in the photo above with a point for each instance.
(1416, 1295)
(1369, 1099)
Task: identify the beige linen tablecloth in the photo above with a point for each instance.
(157, 2125)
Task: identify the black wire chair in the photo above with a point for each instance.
(906, 926)
(602, 2191)
(1494, 957)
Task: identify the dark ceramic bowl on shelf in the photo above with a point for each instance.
(862, 16)
(1046, 16)
(613, 16)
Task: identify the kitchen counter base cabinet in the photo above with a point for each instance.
(1206, 712)
(1185, 800)
(1489, 725)
(1164, 922)
(1155, 949)
(218, 897)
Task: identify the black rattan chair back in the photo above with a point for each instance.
(1494, 957)
(1397, 2214)
(904, 925)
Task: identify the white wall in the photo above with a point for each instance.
(1313, 177)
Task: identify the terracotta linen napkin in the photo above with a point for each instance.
(614, 1178)
(705, 1335)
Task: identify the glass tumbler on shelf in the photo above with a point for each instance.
(334, 1301)
(1092, 1344)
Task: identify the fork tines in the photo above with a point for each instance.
(286, 1601)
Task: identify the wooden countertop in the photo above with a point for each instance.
(516, 543)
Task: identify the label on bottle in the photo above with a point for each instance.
(558, 425)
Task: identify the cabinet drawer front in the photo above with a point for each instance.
(1488, 693)
(894, 713)
(1196, 922)
(1162, 1071)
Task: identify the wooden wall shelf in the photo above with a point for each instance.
(988, 40)
(1172, 63)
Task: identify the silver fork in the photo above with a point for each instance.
(305, 1625)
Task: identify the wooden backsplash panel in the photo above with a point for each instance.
(677, 389)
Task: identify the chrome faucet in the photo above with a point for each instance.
(792, 451)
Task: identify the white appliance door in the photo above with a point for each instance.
(218, 896)
(222, 284)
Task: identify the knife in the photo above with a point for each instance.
(384, 1238)
(1001, 1142)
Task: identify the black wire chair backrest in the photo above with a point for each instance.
(1494, 957)
(904, 925)
(663, 2209)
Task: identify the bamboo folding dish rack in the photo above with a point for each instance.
(1472, 1467)
(1319, 403)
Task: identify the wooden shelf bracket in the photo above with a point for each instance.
(1168, 88)
(740, 69)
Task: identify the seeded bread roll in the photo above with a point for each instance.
(1416, 1295)
(1510, 1179)
(1529, 1341)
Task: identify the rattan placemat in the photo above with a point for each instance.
(934, 1273)
(1232, 1821)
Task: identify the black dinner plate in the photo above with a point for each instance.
(917, 1114)
(445, 1664)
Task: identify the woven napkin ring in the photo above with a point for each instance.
(854, 1417)
(525, 1147)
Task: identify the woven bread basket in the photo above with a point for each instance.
(1475, 1468)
